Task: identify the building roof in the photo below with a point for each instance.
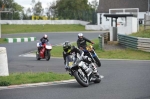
(118, 15)
(105, 5)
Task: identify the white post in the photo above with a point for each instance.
(98, 18)
(3, 62)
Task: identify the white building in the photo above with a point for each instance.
(105, 5)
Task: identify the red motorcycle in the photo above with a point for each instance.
(44, 51)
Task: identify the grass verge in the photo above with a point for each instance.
(109, 54)
(23, 78)
(142, 33)
(30, 77)
(2, 40)
(9, 29)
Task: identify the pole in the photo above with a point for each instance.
(0, 18)
(0, 24)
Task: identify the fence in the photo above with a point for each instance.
(43, 22)
(134, 42)
(101, 42)
(84, 15)
(103, 38)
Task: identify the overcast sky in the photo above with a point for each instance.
(27, 3)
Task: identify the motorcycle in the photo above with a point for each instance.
(76, 69)
(44, 51)
(93, 55)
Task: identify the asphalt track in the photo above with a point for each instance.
(123, 79)
(21, 64)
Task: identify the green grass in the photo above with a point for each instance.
(121, 53)
(2, 40)
(124, 54)
(8, 29)
(30, 77)
(110, 54)
(23, 78)
(142, 33)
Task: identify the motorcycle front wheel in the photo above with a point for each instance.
(97, 61)
(48, 55)
(82, 80)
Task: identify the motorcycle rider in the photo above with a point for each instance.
(81, 42)
(68, 49)
(43, 40)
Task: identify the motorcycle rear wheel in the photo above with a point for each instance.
(80, 80)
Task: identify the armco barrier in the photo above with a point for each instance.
(24, 39)
(144, 44)
(134, 42)
(3, 62)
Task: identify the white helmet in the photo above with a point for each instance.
(45, 36)
(80, 34)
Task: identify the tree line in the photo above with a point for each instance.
(61, 9)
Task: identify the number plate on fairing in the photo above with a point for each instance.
(70, 64)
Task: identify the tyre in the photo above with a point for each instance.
(97, 61)
(47, 56)
(83, 81)
(37, 56)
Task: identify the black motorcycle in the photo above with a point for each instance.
(75, 68)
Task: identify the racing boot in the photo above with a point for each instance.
(95, 72)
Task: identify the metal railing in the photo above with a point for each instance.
(134, 42)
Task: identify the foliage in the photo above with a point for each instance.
(74, 9)
(62, 9)
(94, 4)
(50, 10)
(13, 7)
(37, 9)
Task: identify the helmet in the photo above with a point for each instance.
(80, 35)
(66, 45)
(45, 36)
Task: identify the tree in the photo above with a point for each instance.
(74, 9)
(50, 10)
(28, 12)
(94, 4)
(37, 9)
(16, 9)
(11, 6)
